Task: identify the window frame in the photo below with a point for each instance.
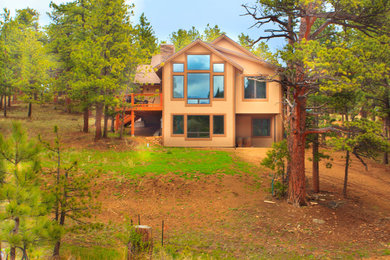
(269, 125)
(173, 87)
(224, 87)
(210, 90)
(211, 125)
(199, 138)
(218, 63)
(224, 125)
(254, 99)
(199, 54)
(210, 72)
(173, 67)
(172, 124)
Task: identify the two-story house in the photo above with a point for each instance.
(215, 95)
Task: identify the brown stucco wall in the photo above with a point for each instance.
(232, 105)
(217, 107)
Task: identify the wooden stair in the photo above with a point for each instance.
(126, 120)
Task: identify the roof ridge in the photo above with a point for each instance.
(251, 57)
(205, 44)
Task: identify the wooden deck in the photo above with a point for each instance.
(138, 102)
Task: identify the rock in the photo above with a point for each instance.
(318, 221)
(335, 204)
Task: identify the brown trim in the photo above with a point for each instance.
(234, 96)
(184, 131)
(224, 125)
(172, 88)
(243, 49)
(205, 45)
(224, 80)
(186, 71)
(198, 139)
(242, 80)
(210, 72)
(211, 122)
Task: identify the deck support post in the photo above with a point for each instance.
(132, 122)
(117, 119)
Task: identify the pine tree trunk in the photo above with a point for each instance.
(29, 110)
(57, 246)
(5, 106)
(346, 174)
(86, 120)
(9, 101)
(316, 174)
(297, 178)
(113, 124)
(105, 122)
(98, 121)
(386, 122)
(15, 231)
(56, 252)
(1, 102)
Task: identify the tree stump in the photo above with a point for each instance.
(140, 243)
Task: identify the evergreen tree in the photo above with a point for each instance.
(146, 39)
(34, 62)
(294, 22)
(71, 189)
(182, 37)
(211, 33)
(23, 220)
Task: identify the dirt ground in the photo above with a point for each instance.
(229, 214)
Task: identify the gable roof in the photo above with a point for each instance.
(249, 55)
(205, 45)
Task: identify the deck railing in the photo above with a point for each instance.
(144, 101)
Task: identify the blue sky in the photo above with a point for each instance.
(167, 16)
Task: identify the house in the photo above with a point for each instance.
(211, 95)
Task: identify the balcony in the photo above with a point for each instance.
(144, 102)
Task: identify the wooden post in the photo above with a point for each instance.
(141, 243)
(132, 122)
(117, 122)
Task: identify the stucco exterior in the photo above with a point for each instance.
(238, 111)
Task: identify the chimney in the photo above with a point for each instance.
(166, 50)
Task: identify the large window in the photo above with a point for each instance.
(254, 87)
(219, 86)
(261, 127)
(218, 125)
(198, 62)
(198, 80)
(178, 125)
(198, 88)
(178, 86)
(198, 126)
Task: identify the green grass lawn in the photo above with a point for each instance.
(185, 162)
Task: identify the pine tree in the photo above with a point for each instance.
(71, 190)
(294, 22)
(23, 221)
(34, 63)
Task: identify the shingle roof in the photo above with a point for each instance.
(146, 75)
